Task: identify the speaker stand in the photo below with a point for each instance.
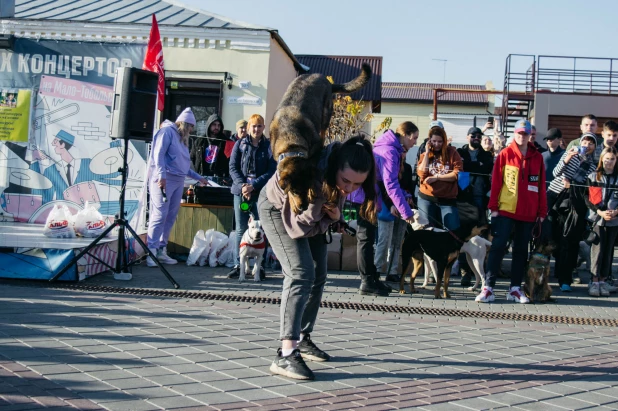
(122, 265)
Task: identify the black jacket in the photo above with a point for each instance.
(208, 154)
(484, 165)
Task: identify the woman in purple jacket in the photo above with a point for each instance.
(389, 152)
(169, 164)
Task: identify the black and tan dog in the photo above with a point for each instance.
(441, 246)
(298, 129)
(536, 284)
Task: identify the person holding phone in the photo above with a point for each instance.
(566, 193)
(602, 199)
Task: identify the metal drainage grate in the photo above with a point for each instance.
(384, 308)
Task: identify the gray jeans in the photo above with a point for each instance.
(303, 262)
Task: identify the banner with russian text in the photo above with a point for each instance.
(67, 156)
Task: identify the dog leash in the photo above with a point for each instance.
(442, 226)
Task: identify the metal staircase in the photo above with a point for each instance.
(519, 89)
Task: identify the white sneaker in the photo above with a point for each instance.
(486, 296)
(123, 276)
(149, 261)
(516, 295)
(593, 290)
(164, 258)
(604, 289)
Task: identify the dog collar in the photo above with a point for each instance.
(259, 246)
(291, 154)
(543, 256)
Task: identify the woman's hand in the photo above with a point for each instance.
(204, 182)
(606, 215)
(161, 183)
(394, 211)
(494, 214)
(332, 211)
(572, 153)
(247, 189)
(566, 182)
(431, 179)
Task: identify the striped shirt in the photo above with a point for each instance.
(571, 171)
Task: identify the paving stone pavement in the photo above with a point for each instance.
(64, 349)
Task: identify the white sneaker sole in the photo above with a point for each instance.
(510, 298)
(275, 369)
(150, 263)
(168, 262)
(485, 300)
(312, 357)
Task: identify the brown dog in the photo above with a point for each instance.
(298, 129)
(536, 286)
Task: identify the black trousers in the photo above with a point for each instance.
(365, 237)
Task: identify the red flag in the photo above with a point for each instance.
(595, 195)
(154, 60)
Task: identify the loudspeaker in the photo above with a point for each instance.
(134, 105)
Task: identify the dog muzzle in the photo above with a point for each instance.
(291, 154)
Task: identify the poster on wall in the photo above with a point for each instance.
(15, 114)
(66, 156)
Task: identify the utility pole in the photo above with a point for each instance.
(444, 65)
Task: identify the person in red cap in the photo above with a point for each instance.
(517, 202)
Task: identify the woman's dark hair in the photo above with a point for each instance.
(600, 168)
(356, 153)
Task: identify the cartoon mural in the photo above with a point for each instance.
(69, 157)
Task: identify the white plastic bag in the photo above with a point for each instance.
(89, 222)
(206, 252)
(197, 248)
(59, 223)
(231, 255)
(217, 246)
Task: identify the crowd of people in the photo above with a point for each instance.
(564, 194)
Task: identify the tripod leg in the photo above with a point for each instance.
(154, 257)
(83, 252)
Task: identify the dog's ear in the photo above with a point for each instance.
(250, 218)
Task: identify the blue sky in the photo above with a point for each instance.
(474, 36)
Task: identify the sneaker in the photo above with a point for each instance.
(383, 286)
(369, 287)
(516, 295)
(235, 273)
(164, 258)
(565, 288)
(292, 366)
(123, 276)
(310, 351)
(610, 285)
(486, 296)
(149, 261)
(393, 278)
(593, 290)
(576, 279)
(604, 289)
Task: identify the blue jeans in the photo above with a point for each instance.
(439, 214)
(242, 223)
(501, 228)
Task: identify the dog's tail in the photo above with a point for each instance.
(356, 84)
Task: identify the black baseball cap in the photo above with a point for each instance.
(474, 130)
(552, 134)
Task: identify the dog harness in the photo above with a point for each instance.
(258, 246)
(291, 154)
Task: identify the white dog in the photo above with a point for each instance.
(252, 244)
(476, 250)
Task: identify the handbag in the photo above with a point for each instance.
(590, 236)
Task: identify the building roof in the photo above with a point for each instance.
(346, 68)
(168, 12)
(423, 92)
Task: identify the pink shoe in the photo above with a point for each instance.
(486, 296)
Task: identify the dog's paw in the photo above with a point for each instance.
(447, 295)
(472, 288)
(402, 292)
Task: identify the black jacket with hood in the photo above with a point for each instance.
(217, 162)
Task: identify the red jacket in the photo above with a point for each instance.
(518, 184)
